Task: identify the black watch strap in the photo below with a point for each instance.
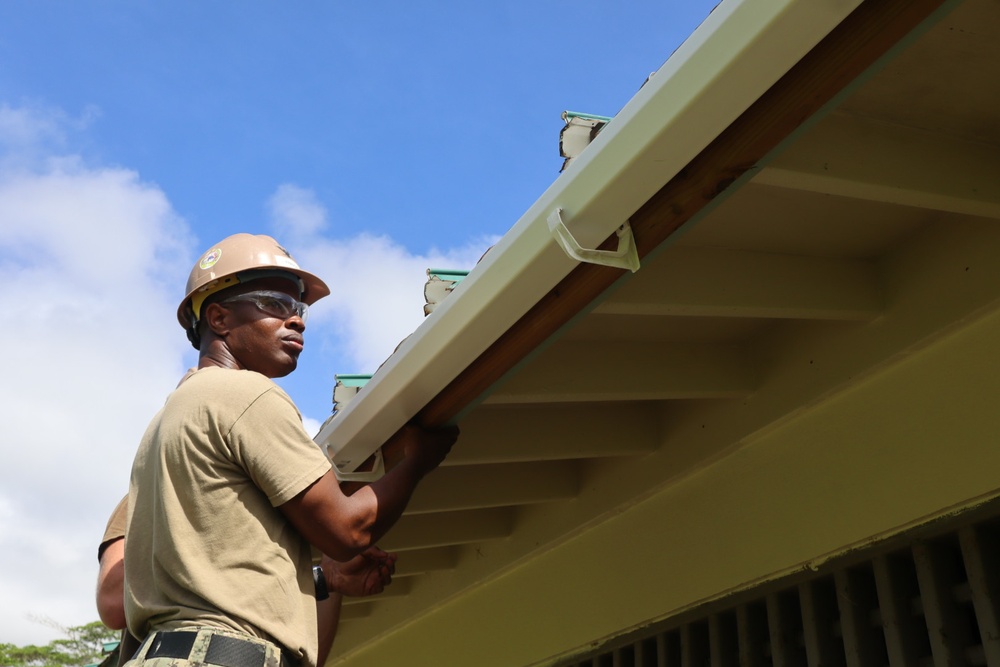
(319, 580)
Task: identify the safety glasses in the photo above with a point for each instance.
(274, 303)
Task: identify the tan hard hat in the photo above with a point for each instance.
(239, 258)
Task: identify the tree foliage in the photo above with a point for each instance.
(83, 645)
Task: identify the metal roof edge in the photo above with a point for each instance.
(734, 56)
(566, 115)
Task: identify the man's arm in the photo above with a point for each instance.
(327, 620)
(367, 574)
(111, 585)
(344, 526)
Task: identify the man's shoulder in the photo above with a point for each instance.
(230, 379)
(222, 389)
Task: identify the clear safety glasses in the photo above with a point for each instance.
(274, 303)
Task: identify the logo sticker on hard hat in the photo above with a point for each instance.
(209, 260)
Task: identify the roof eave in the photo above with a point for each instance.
(736, 55)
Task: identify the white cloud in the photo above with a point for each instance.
(91, 349)
(295, 212)
(312, 426)
(20, 126)
(89, 262)
(31, 133)
(377, 286)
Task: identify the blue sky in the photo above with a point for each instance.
(374, 139)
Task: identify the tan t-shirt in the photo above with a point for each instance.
(115, 529)
(206, 543)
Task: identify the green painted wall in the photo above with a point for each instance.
(914, 441)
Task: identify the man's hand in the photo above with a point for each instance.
(426, 447)
(366, 574)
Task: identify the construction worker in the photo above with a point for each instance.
(367, 574)
(229, 495)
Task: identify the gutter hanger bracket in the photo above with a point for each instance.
(625, 257)
(377, 471)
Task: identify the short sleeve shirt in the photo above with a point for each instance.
(115, 529)
(207, 544)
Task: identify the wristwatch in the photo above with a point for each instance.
(319, 580)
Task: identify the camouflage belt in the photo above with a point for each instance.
(209, 647)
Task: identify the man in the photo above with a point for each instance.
(367, 574)
(229, 495)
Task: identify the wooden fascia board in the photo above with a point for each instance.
(865, 36)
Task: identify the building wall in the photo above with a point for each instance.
(913, 441)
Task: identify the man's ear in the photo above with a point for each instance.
(216, 318)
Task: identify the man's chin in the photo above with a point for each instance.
(284, 369)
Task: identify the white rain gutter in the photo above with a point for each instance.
(735, 55)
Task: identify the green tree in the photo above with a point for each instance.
(83, 645)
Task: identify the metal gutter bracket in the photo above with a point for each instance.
(625, 257)
(377, 471)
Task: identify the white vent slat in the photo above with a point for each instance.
(937, 582)
(935, 603)
(980, 553)
(898, 621)
(785, 631)
(819, 614)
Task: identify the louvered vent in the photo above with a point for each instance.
(932, 603)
